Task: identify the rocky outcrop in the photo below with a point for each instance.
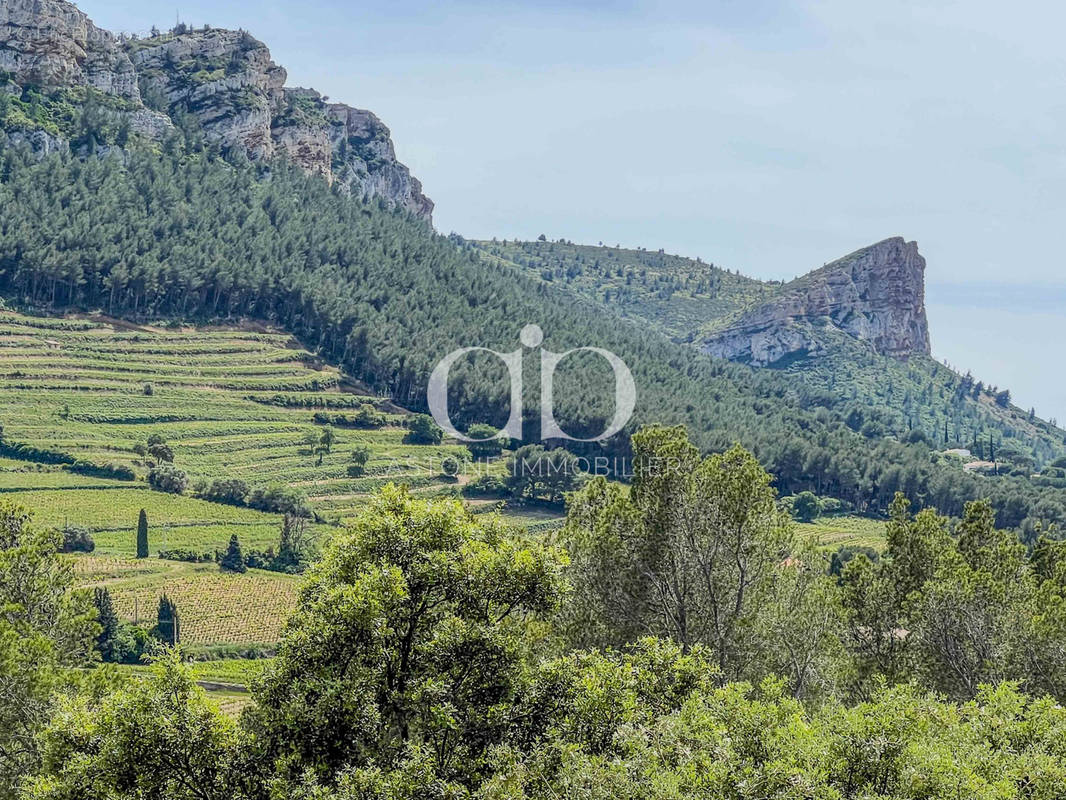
(224, 81)
(52, 43)
(876, 295)
(365, 146)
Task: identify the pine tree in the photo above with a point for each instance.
(108, 620)
(142, 535)
(233, 560)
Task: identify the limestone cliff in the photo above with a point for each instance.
(224, 81)
(876, 295)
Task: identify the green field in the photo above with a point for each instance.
(101, 509)
(233, 671)
(833, 532)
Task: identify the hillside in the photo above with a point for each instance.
(231, 404)
(852, 333)
(197, 229)
(243, 556)
(376, 293)
(236, 404)
(677, 296)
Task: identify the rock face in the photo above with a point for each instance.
(51, 43)
(876, 295)
(222, 82)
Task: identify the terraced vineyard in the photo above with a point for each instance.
(831, 533)
(230, 404)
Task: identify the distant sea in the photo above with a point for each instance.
(1010, 336)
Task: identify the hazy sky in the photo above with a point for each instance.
(766, 136)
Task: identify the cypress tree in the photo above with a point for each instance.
(142, 535)
(108, 619)
(166, 627)
(233, 560)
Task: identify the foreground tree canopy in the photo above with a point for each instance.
(677, 641)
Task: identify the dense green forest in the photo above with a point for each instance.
(675, 294)
(676, 641)
(185, 235)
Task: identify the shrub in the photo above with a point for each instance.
(490, 444)
(368, 417)
(260, 559)
(917, 436)
(231, 491)
(26, 452)
(537, 473)
(279, 499)
(422, 430)
(161, 452)
(486, 486)
(831, 505)
(365, 417)
(122, 472)
(806, 507)
(222, 652)
(359, 458)
(452, 466)
(190, 556)
(168, 478)
(77, 540)
(295, 549)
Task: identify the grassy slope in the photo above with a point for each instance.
(830, 533)
(921, 393)
(78, 386)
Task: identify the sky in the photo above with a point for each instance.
(769, 136)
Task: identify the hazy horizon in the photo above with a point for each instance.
(769, 137)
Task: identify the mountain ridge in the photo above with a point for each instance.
(218, 83)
